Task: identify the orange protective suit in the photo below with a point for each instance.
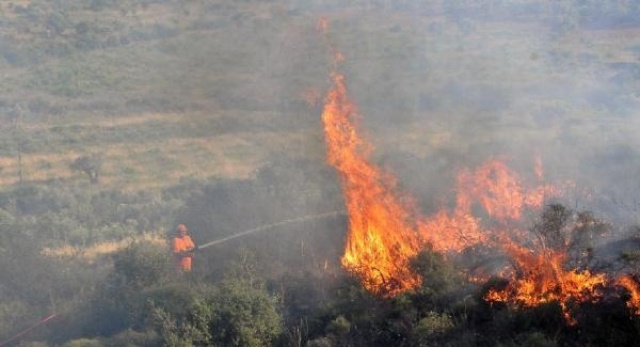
(181, 246)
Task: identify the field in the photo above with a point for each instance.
(177, 102)
(164, 91)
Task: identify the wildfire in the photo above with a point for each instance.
(385, 231)
(381, 237)
(540, 278)
(633, 287)
(497, 190)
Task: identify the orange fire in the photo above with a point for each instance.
(633, 288)
(385, 231)
(497, 190)
(540, 278)
(381, 236)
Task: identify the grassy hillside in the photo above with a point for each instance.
(161, 92)
(164, 90)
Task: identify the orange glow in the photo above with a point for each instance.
(537, 168)
(447, 232)
(634, 291)
(381, 237)
(322, 25)
(312, 97)
(386, 231)
(540, 278)
(496, 187)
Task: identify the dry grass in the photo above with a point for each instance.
(92, 253)
(36, 167)
(108, 123)
(159, 163)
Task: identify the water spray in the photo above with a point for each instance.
(270, 226)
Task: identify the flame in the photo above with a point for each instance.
(540, 278)
(538, 274)
(495, 188)
(451, 232)
(381, 238)
(385, 231)
(633, 288)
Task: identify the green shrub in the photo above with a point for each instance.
(142, 264)
(238, 315)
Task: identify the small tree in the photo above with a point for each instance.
(90, 165)
(553, 228)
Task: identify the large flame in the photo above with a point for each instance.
(381, 237)
(385, 231)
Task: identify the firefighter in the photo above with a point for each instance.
(183, 247)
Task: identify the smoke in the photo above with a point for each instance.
(500, 104)
(448, 87)
(442, 85)
(269, 226)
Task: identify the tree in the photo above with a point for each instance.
(552, 229)
(90, 165)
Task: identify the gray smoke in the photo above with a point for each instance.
(461, 83)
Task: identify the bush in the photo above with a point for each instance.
(142, 264)
(131, 338)
(238, 315)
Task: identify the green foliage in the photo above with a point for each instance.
(243, 316)
(142, 264)
(339, 327)
(238, 315)
(132, 338)
(438, 274)
(429, 327)
(77, 216)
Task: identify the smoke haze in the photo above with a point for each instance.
(440, 90)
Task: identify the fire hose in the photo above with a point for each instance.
(28, 330)
(270, 226)
(208, 244)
